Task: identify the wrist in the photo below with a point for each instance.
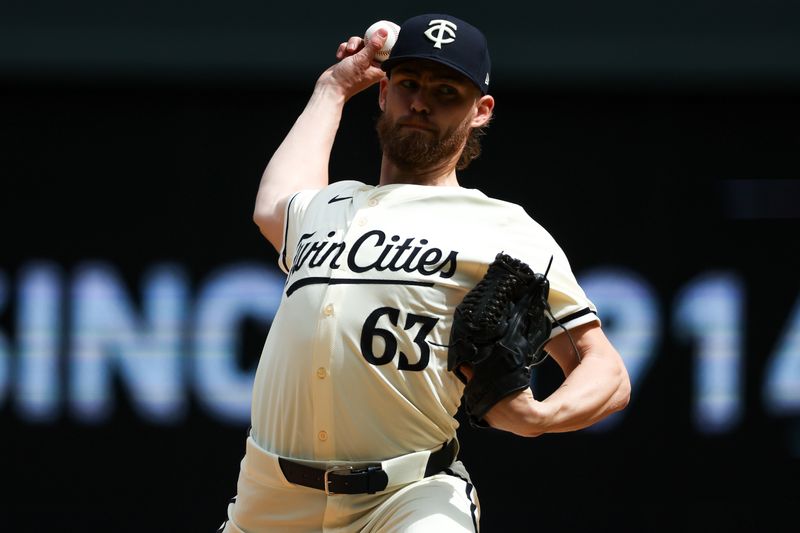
(328, 87)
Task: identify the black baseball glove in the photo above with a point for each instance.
(499, 329)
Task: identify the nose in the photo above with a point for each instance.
(419, 103)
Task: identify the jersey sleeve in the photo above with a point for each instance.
(569, 304)
(296, 209)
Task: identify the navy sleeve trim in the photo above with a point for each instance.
(569, 318)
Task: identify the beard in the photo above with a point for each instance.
(414, 151)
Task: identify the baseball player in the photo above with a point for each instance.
(353, 408)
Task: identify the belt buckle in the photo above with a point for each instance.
(332, 469)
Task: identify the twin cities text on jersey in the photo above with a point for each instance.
(373, 251)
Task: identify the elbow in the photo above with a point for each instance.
(264, 210)
(261, 219)
(622, 395)
(270, 226)
(530, 433)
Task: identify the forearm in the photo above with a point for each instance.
(597, 387)
(301, 161)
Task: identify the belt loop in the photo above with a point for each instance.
(371, 489)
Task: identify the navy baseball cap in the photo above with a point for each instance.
(446, 40)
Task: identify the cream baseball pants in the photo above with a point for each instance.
(267, 502)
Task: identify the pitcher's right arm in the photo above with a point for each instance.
(301, 161)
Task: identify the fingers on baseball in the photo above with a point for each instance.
(378, 38)
(375, 44)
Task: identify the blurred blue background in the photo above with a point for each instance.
(657, 141)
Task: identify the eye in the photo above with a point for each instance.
(448, 90)
(408, 83)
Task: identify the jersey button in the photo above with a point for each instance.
(328, 310)
(362, 221)
(322, 372)
(372, 202)
(322, 435)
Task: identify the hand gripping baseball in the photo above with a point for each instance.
(357, 68)
(498, 333)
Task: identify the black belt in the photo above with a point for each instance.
(367, 479)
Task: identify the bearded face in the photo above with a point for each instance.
(417, 150)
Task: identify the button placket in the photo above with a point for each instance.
(321, 381)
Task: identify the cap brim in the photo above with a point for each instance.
(392, 61)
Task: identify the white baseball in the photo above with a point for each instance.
(392, 29)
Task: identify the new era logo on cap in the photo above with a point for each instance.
(446, 40)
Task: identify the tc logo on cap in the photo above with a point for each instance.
(438, 29)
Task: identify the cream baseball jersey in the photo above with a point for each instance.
(355, 363)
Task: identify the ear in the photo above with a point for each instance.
(382, 93)
(483, 111)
